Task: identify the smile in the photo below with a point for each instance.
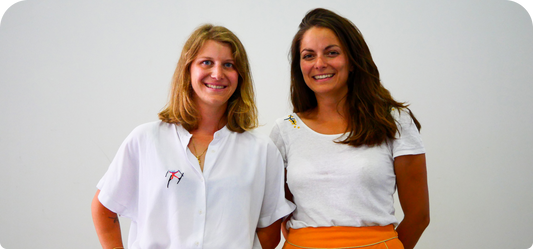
(214, 86)
(323, 76)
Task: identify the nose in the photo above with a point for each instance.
(217, 73)
(320, 62)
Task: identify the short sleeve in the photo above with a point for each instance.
(276, 137)
(119, 186)
(408, 140)
(274, 206)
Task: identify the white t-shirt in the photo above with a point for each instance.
(156, 182)
(335, 184)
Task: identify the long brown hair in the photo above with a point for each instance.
(241, 112)
(368, 102)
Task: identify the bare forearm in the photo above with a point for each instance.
(411, 181)
(410, 230)
(269, 236)
(107, 225)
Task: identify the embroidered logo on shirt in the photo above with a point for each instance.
(293, 121)
(174, 175)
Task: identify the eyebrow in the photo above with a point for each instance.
(328, 47)
(211, 58)
(203, 58)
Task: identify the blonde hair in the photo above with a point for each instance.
(241, 112)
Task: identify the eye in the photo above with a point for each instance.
(207, 63)
(229, 65)
(307, 56)
(333, 53)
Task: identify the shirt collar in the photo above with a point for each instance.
(223, 132)
(185, 136)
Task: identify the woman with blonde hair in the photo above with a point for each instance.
(198, 178)
(348, 146)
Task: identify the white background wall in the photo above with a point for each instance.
(77, 76)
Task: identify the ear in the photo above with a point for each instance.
(351, 68)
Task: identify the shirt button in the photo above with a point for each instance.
(197, 243)
(213, 151)
(200, 211)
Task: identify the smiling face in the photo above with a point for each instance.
(214, 77)
(324, 64)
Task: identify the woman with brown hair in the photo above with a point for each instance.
(198, 178)
(348, 145)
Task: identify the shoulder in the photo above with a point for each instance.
(255, 137)
(151, 129)
(287, 122)
(401, 115)
(406, 125)
(259, 141)
(286, 127)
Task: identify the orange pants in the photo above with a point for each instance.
(343, 237)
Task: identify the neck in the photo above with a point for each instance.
(211, 120)
(330, 107)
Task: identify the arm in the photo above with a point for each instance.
(288, 194)
(269, 236)
(411, 180)
(290, 197)
(106, 224)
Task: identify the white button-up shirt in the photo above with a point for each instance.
(157, 182)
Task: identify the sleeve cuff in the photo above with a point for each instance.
(280, 212)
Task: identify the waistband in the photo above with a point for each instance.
(340, 237)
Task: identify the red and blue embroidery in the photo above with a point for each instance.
(174, 175)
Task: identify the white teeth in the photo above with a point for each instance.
(215, 86)
(323, 76)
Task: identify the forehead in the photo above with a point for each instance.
(319, 38)
(215, 49)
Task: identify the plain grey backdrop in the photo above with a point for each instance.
(77, 76)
